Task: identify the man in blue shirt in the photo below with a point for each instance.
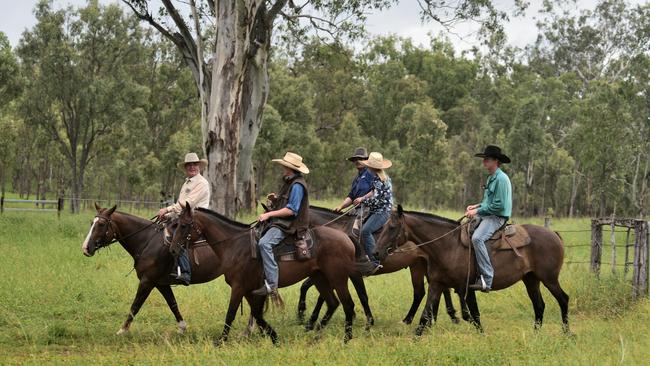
(493, 212)
(362, 184)
(289, 215)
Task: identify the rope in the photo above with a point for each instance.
(400, 250)
(341, 215)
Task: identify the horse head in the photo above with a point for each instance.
(102, 231)
(393, 234)
(188, 229)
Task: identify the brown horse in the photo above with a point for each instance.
(450, 263)
(415, 260)
(231, 241)
(144, 241)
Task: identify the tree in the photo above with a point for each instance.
(233, 83)
(80, 89)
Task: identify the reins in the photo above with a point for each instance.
(116, 239)
(400, 250)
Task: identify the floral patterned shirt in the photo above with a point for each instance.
(382, 198)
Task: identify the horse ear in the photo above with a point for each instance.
(187, 208)
(97, 207)
(111, 210)
(400, 211)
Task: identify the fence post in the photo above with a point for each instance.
(547, 222)
(612, 240)
(596, 245)
(2, 204)
(640, 274)
(59, 206)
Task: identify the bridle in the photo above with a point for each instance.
(394, 248)
(112, 238)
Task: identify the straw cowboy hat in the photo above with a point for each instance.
(492, 151)
(376, 161)
(359, 154)
(192, 158)
(293, 161)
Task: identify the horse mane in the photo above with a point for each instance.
(223, 218)
(324, 210)
(429, 217)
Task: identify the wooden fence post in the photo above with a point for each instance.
(547, 222)
(640, 275)
(596, 245)
(2, 204)
(59, 206)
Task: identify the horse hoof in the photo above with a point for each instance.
(121, 331)
(455, 320)
(418, 331)
(407, 321)
(309, 327)
(219, 342)
(182, 327)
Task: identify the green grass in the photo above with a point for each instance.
(58, 307)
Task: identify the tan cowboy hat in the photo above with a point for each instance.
(293, 161)
(376, 161)
(192, 158)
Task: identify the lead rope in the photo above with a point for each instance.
(341, 215)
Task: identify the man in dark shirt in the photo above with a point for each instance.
(362, 184)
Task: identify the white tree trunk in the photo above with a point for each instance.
(238, 94)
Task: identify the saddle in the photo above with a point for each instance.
(168, 232)
(299, 247)
(508, 237)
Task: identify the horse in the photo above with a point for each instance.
(144, 241)
(415, 260)
(330, 267)
(452, 265)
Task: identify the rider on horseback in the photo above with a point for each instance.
(196, 191)
(289, 215)
(362, 184)
(493, 212)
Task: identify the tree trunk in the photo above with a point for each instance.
(238, 94)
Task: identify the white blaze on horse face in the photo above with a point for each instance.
(84, 246)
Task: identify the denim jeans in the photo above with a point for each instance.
(374, 222)
(487, 226)
(184, 262)
(271, 238)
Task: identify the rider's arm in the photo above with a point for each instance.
(196, 195)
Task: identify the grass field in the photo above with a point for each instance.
(58, 307)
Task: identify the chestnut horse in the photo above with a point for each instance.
(143, 240)
(415, 260)
(330, 268)
(450, 263)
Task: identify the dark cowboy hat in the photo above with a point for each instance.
(359, 154)
(492, 151)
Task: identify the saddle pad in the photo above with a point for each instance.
(286, 250)
(507, 238)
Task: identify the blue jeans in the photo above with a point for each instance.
(184, 262)
(271, 238)
(486, 228)
(374, 222)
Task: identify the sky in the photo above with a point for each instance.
(402, 19)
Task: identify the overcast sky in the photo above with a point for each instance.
(402, 19)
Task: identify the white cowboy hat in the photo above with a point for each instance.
(192, 158)
(376, 161)
(293, 161)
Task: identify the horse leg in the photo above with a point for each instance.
(144, 289)
(532, 286)
(430, 313)
(417, 280)
(315, 313)
(168, 294)
(327, 294)
(450, 306)
(302, 304)
(472, 304)
(257, 312)
(236, 296)
(360, 287)
(348, 307)
(562, 299)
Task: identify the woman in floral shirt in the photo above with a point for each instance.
(379, 201)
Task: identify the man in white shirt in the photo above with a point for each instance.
(196, 191)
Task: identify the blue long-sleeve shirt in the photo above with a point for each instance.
(362, 184)
(295, 198)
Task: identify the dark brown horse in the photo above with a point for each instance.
(144, 241)
(231, 241)
(415, 260)
(450, 263)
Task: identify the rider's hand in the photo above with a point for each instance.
(162, 213)
(337, 209)
(271, 197)
(357, 201)
(471, 207)
(471, 213)
(263, 217)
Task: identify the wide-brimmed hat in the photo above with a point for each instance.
(192, 158)
(492, 151)
(293, 161)
(359, 154)
(376, 161)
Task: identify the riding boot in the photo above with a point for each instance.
(183, 273)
